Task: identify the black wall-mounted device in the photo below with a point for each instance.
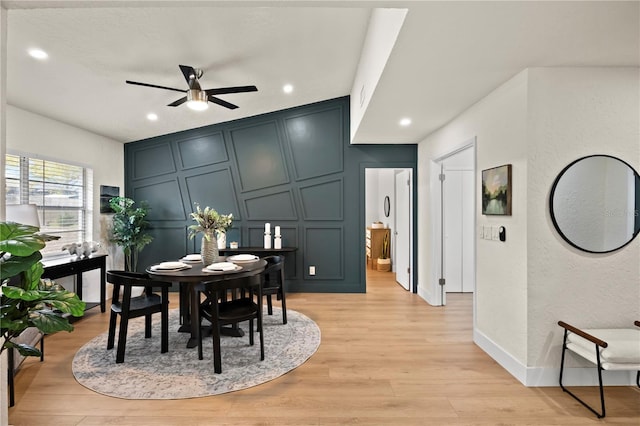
(502, 233)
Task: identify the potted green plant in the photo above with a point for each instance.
(208, 222)
(27, 300)
(129, 229)
(384, 261)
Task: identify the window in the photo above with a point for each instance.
(62, 192)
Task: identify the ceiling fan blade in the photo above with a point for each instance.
(237, 89)
(154, 85)
(222, 103)
(188, 71)
(178, 102)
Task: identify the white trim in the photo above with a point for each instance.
(548, 376)
(502, 357)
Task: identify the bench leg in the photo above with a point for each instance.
(564, 349)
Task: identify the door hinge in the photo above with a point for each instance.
(441, 177)
(441, 281)
(408, 270)
(408, 182)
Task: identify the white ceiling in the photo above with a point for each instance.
(448, 56)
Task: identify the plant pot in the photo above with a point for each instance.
(383, 265)
(209, 249)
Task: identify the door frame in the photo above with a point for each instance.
(413, 215)
(398, 173)
(437, 291)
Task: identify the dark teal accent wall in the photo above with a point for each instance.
(293, 168)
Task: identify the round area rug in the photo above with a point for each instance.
(148, 374)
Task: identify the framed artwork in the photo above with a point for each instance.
(107, 193)
(496, 191)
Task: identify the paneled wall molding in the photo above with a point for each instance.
(322, 200)
(323, 248)
(314, 139)
(293, 168)
(202, 150)
(213, 188)
(259, 156)
(269, 207)
(153, 161)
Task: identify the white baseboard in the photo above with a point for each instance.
(548, 376)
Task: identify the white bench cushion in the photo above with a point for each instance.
(622, 353)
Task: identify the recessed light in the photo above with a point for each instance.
(38, 53)
(152, 117)
(287, 88)
(405, 122)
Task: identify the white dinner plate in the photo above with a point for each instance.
(242, 258)
(192, 258)
(223, 266)
(170, 266)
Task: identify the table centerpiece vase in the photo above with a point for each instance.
(209, 248)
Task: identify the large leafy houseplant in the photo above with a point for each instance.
(129, 229)
(27, 300)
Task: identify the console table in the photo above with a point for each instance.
(68, 266)
(258, 251)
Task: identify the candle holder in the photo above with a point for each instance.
(267, 240)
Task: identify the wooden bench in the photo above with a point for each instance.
(607, 349)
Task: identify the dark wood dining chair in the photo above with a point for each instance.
(128, 307)
(274, 284)
(220, 310)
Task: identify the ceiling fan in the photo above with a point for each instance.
(197, 98)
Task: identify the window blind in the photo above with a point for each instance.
(62, 193)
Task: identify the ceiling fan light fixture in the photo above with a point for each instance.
(197, 100)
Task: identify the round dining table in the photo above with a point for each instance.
(189, 277)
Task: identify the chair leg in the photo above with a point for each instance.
(215, 335)
(198, 331)
(599, 367)
(284, 305)
(261, 334)
(217, 354)
(147, 326)
(251, 341)
(112, 330)
(164, 321)
(269, 305)
(122, 339)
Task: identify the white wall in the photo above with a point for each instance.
(42, 137)
(573, 113)
(4, 400)
(499, 124)
(539, 121)
(378, 184)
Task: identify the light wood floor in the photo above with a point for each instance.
(386, 358)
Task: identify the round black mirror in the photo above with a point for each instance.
(595, 203)
(387, 206)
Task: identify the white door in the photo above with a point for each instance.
(402, 209)
(458, 230)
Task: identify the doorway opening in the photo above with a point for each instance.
(453, 202)
(389, 204)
